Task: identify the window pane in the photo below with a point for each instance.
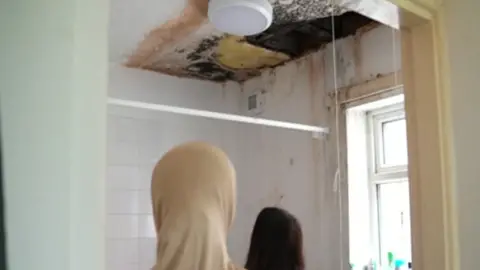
(394, 219)
(394, 143)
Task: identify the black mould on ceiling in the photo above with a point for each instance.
(202, 50)
(210, 71)
(300, 38)
(288, 35)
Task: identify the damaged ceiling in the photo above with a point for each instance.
(187, 45)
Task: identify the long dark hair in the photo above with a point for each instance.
(276, 242)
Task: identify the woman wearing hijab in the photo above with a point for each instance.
(194, 200)
(276, 242)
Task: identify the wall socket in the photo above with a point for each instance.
(256, 102)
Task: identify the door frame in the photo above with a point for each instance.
(427, 105)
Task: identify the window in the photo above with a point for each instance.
(378, 188)
(389, 196)
(394, 222)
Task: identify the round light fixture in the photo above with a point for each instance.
(240, 17)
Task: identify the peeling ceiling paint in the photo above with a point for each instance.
(188, 46)
(236, 53)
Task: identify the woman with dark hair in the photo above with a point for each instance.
(276, 242)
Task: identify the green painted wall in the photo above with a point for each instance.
(53, 81)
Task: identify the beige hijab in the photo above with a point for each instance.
(194, 200)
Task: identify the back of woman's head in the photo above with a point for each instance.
(193, 201)
(276, 242)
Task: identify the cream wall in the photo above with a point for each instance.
(443, 51)
(463, 45)
(53, 80)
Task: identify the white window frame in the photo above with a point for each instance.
(376, 119)
(380, 173)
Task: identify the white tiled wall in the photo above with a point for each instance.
(135, 145)
(137, 139)
(128, 205)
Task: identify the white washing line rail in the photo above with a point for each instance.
(220, 116)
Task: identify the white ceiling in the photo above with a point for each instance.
(130, 20)
(380, 10)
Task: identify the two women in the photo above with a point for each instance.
(194, 200)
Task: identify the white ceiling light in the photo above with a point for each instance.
(240, 17)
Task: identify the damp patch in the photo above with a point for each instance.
(297, 39)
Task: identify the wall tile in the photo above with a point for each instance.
(122, 153)
(150, 152)
(115, 265)
(122, 129)
(147, 251)
(145, 266)
(123, 251)
(122, 226)
(145, 176)
(123, 177)
(144, 202)
(151, 130)
(123, 202)
(146, 226)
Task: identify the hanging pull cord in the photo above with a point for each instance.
(337, 183)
